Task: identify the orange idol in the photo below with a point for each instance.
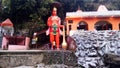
(54, 28)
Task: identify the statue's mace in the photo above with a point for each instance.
(64, 44)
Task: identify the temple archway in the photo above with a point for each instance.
(82, 25)
(103, 25)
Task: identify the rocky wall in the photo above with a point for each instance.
(38, 58)
(92, 45)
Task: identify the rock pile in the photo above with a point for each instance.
(92, 45)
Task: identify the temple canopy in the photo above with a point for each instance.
(101, 12)
(7, 22)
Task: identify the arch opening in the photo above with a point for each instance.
(82, 26)
(103, 25)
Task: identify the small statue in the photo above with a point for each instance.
(34, 40)
(54, 31)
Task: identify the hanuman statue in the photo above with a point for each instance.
(54, 31)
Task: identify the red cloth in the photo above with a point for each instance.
(20, 40)
(16, 40)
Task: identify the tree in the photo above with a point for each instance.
(42, 11)
(1, 10)
(5, 13)
(21, 11)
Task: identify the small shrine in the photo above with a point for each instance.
(102, 19)
(7, 27)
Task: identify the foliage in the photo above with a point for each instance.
(42, 9)
(21, 10)
(6, 5)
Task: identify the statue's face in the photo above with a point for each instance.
(54, 12)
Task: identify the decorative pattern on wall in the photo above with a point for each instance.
(92, 45)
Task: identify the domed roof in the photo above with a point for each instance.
(79, 10)
(102, 8)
